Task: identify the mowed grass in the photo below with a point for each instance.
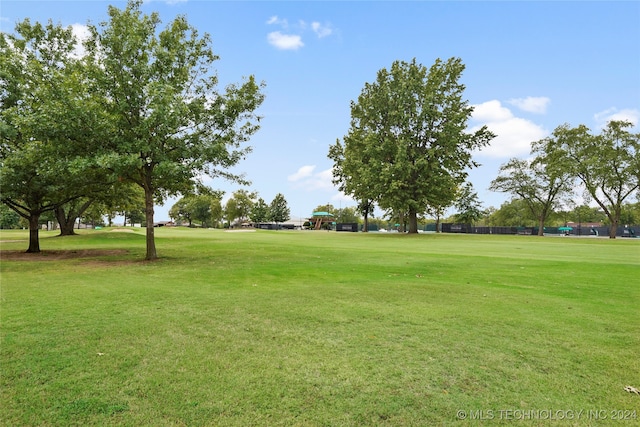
(320, 329)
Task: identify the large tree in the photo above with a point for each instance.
(468, 205)
(279, 209)
(542, 186)
(49, 123)
(239, 206)
(181, 211)
(173, 124)
(607, 164)
(410, 129)
(259, 211)
(354, 169)
(198, 207)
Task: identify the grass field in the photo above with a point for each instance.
(319, 329)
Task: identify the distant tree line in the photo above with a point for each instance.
(206, 209)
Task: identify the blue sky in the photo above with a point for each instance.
(530, 66)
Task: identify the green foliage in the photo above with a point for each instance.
(542, 184)
(348, 214)
(278, 209)
(239, 206)
(513, 213)
(584, 213)
(204, 208)
(630, 213)
(468, 205)
(173, 125)
(259, 211)
(47, 123)
(325, 208)
(408, 145)
(607, 164)
(217, 211)
(134, 216)
(8, 217)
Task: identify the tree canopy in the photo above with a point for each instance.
(172, 123)
(279, 209)
(239, 206)
(408, 146)
(49, 124)
(468, 205)
(141, 107)
(541, 186)
(607, 164)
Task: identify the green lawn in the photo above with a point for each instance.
(320, 329)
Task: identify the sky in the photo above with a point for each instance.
(530, 66)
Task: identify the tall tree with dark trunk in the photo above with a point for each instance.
(48, 122)
(67, 214)
(410, 126)
(542, 187)
(173, 125)
(607, 164)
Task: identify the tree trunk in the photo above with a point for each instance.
(148, 203)
(541, 227)
(613, 229)
(34, 240)
(365, 229)
(68, 220)
(413, 222)
(65, 222)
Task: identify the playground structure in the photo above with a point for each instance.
(319, 218)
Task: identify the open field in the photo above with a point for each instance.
(319, 329)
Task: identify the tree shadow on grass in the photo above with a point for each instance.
(60, 255)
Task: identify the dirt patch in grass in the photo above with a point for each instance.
(58, 255)
(124, 230)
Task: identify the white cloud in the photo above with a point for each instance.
(303, 172)
(323, 179)
(321, 30)
(285, 41)
(604, 117)
(514, 134)
(310, 181)
(274, 20)
(491, 111)
(531, 104)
